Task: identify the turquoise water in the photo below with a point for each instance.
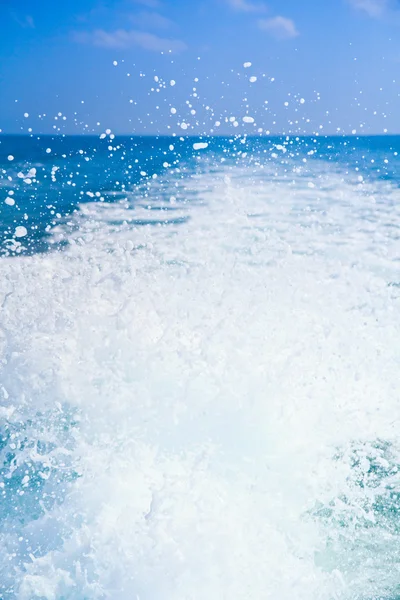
(199, 368)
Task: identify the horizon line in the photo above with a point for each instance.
(201, 135)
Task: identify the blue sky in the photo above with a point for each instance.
(321, 66)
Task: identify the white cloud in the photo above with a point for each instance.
(374, 8)
(122, 38)
(246, 6)
(152, 20)
(281, 28)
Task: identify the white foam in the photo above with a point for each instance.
(216, 367)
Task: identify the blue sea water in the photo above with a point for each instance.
(199, 367)
(69, 171)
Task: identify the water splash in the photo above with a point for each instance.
(205, 407)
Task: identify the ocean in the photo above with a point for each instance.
(199, 368)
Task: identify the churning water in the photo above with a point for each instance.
(200, 369)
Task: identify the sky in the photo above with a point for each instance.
(200, 67)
